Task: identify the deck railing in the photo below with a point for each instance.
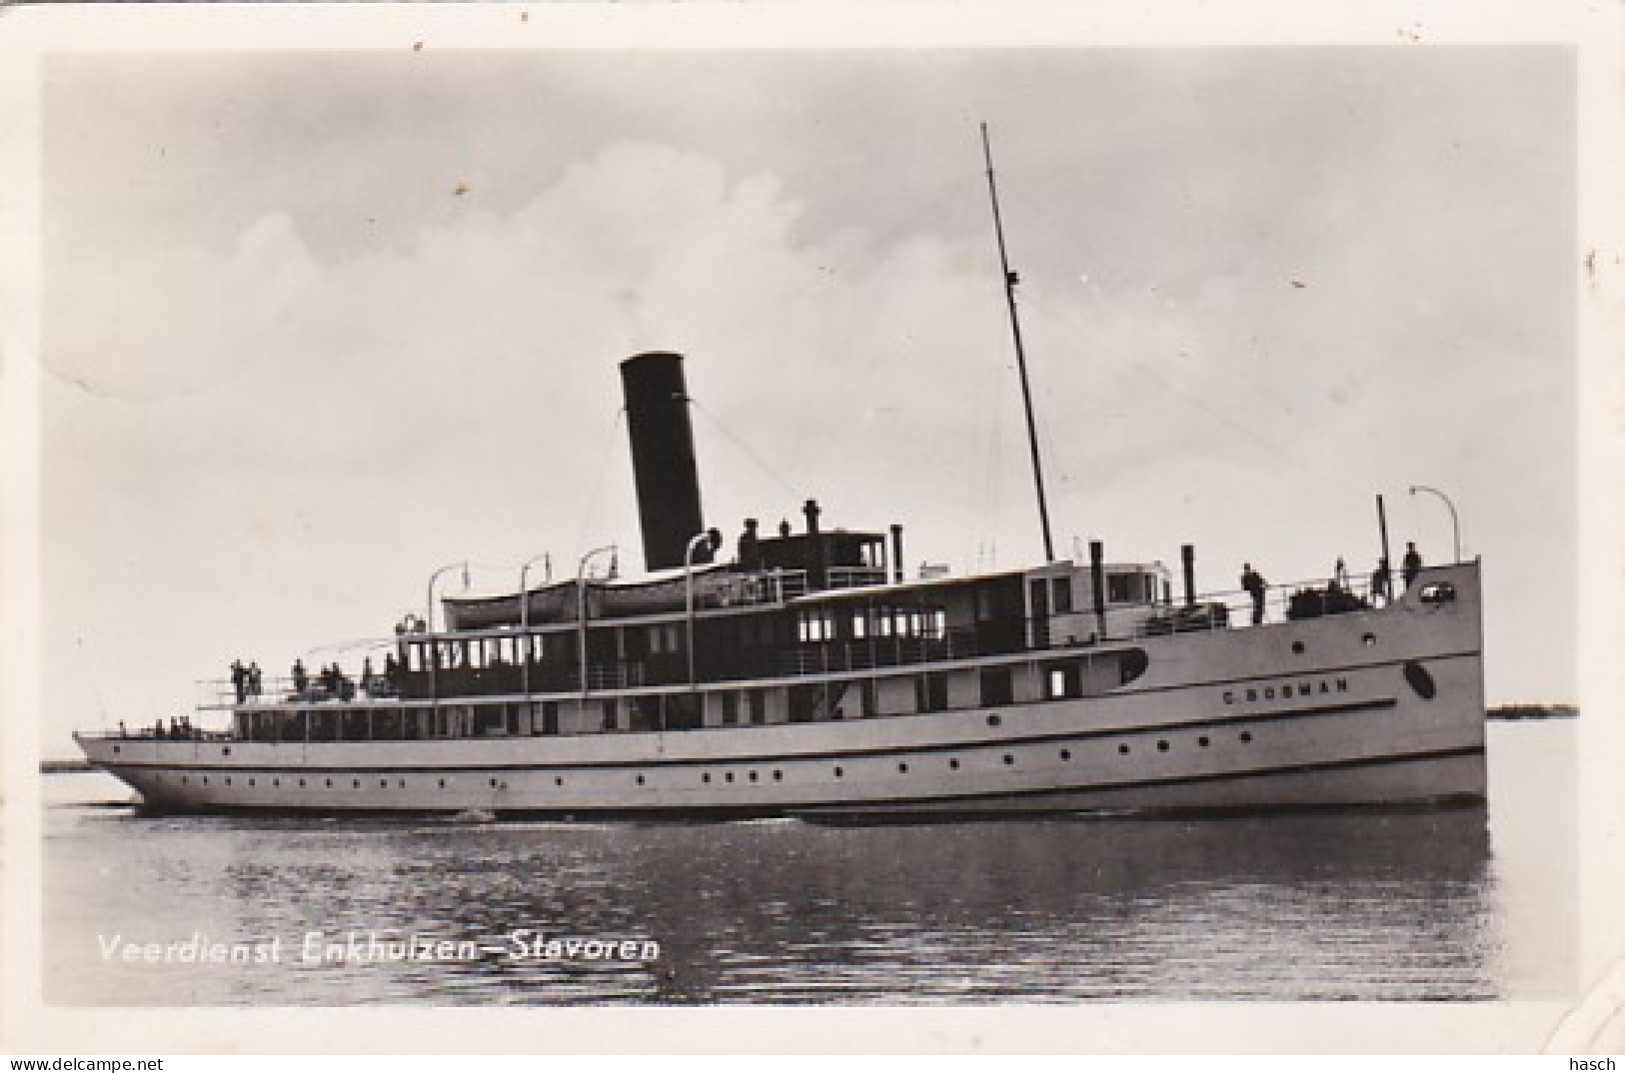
(1223, 610)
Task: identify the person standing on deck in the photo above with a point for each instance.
(1253, 582)
(1413, 564)
(239, 679)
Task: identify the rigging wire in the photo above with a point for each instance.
(745, 449)
(598, 481)
(1072, 319)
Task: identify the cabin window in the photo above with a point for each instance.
(1064, 679)
(817, 626)
(1119, 589)
(859, 625)
(808, 703)
(931, 692)
(730, 709)
(1061, 595)
(997, 686)
(1439, 593)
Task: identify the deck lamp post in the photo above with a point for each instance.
(524, 616)
(1455, 523)
(696, 541)
(428, 620)
(581, 611)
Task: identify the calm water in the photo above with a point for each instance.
(1458, 904)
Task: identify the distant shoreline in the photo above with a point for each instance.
(1533, 711)
(1508, 712)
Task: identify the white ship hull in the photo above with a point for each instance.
(1373, 707)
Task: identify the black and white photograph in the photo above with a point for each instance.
(540, 508)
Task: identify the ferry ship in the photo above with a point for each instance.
(803, 673)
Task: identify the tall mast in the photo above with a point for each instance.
(1010, 281)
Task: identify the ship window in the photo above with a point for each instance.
(1065, 679)
(996, 686)
(730, 709)
(1439, 593)
(931, 692)
(859, 625)
(758, 706)
(1061, 595)
(1120, 588)
(953, 764)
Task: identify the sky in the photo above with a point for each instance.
(315, 324)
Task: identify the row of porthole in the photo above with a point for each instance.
(953, 762)
(383, 784)
(728, 776)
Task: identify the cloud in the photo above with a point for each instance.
(176, 322)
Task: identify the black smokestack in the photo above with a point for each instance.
(663, 458)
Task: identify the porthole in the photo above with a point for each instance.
(1369, 640)
(994, 720)
(402, 784)
(753, 776)
(1297, 648)
(728, 776)
(116, 749)
(1162, 746)
(301, 784)
(251, 782)
(442, 784)
(355, 784)
(1122, 750)
(839, 773)
(1008, 759)
(1066, 754)
(205, 780)
(954, 764)
(1246, 736)
(183, 780)
(640, 780)
(225, 750)
(1202, 741)
(329, 784)
(276, 784)
(558, 780)
(493, 784)
(706, 777)
(383, 784)
(778, 776)
(902, 768)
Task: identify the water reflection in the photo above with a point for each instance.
(1313, 906)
